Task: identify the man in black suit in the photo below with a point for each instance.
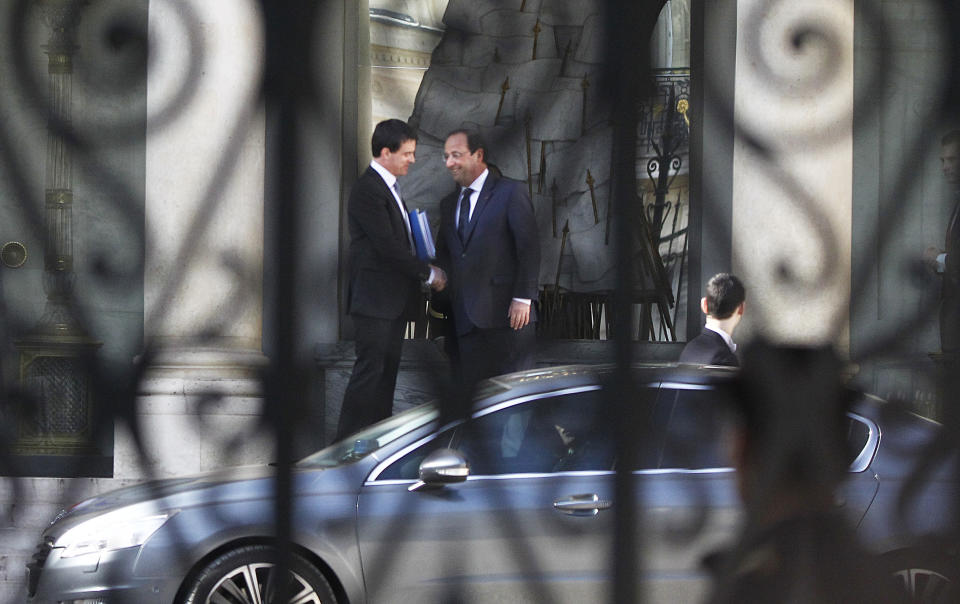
(947, 260)
(723, 306)
(385, 277)
(488, 245)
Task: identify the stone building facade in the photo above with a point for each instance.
(174, 235)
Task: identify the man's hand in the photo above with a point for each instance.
(519, 314)
(930, 257)
(439, 278)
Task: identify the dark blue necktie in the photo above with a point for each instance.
(464, 214)
(406, 219)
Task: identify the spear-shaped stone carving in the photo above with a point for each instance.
(503, 93)
(593, 197)
(566, 58)
(553, 194)
(606, 234)
(526, 124)
(543, 167)
(563, 245)
(584, 85)
(536, 36)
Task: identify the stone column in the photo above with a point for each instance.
(204, 242)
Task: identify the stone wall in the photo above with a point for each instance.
(527, 80)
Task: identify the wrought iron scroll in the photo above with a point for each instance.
(800, 390)
(663, 135)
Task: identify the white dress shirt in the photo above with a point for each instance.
(475, 187)
(391, 182)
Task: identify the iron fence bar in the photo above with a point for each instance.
(287, 28)
(680, 271)
(629, 26)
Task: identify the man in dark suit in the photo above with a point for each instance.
(723, 306)
(385, 277)
(947, 260)
(488, 245)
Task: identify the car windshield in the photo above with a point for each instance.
(373, 437)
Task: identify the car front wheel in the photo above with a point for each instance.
(924, 577)
(248, 575)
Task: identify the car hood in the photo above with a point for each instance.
(160, 489)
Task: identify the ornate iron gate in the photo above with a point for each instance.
(63, 400)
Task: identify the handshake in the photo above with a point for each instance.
(439, 277)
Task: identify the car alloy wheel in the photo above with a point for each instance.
(923, 584)
(248, 576)
(924, 577)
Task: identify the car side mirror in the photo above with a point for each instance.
(441, 467)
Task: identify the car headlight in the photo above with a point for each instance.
(119, 529)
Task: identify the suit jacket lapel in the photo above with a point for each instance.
(952, 225)
(485, 194)
(395, 216)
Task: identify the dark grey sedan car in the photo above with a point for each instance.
(515, 505)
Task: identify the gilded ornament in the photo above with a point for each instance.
(683, 106)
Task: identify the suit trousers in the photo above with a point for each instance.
(485, 353)
(369, 395)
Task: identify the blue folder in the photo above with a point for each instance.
(422, 238)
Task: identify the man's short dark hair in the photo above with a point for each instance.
(474, 141)
(725, 293)
(950, 138)
(391, 134)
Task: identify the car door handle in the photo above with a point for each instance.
(582, 505)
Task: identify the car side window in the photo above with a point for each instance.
(408, 466)
(858, 434)
(558, 433)
(691, 428)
